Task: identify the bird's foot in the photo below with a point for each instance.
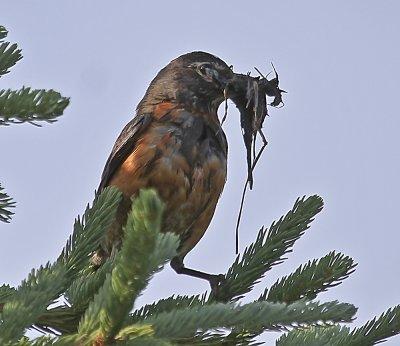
(216, 281)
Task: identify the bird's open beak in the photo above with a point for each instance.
(250, 96)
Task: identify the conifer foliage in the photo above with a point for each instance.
(26, 105)
(72, 303)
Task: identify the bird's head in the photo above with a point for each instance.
(196, 80)
(201, 81)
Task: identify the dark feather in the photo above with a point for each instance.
(123, 147)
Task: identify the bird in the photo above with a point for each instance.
(174, 144)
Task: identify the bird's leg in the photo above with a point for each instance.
(213, 279)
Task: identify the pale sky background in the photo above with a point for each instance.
(337, 136)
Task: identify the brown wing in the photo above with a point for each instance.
(123, 147)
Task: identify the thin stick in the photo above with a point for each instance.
(254, 146)
(240, 216)
(244, 194)
(259, 72)
(226, 108)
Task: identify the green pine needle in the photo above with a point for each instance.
(167, 305)
(30, 300)
(204, 338)
(371, 333)
(3, 32)
(105, 297)
(89, 232)
(268, 249)
(31, 105)
(85, 239)
(9, 56)
(6, 202)
(311, 278)
(43, 286)
(315, 336)
(183, 323)
(6, 291)
(61, 319)
(376, 330)
(65, 319)
(146, 341)
(219, 337)
(134, 265)
(40, 341)
(135, 332)
(83, 289)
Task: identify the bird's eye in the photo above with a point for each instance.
(207, 71)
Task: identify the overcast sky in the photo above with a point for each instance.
(337, 136)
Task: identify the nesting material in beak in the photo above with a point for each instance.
(250, 96)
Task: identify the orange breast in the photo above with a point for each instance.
(188, 174)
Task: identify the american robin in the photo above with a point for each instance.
(176, 145)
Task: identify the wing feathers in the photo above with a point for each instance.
(123, 146)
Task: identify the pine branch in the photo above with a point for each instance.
(268, 249)
(6, 291)
(166, 305)
(9, 56)
(184, 323)
(311, 278)
(143, 252)
(89, 232)
(44, 340)
(205, 338)
(62, 319)
(31, 105)
(141, 338)
(44, 286)
(83, 289)
(30, 300)
(315, 336)
(85, 239)
(146, 341)
(6, 203)
(217, 337)
(376, 330)
(3, 32)
(135, 331)
(371, 333)
(65, 319)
